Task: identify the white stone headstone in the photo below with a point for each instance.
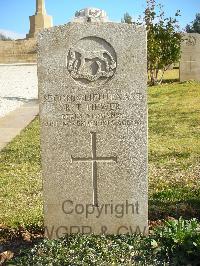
(190, 57)
(93, 114)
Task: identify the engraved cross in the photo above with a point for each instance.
(94, 159)
(191, 61)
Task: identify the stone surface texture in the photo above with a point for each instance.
(90, 14)
(190, 57)
(93, 111)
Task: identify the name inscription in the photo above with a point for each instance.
(92, 109)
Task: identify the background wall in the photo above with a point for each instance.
(19, 51)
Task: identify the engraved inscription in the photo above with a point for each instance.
(92, 60)
(94, 159)
(93, 109)
(190, 41)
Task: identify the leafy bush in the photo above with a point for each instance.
(175, 243)
(179, 241)
(195, 25)
(163, 39)
(88, 250)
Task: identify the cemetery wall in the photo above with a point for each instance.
(19, 51)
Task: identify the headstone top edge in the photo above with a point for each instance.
(52, 30)
(191, 33)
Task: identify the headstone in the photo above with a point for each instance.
(93, 114)
(190, 57)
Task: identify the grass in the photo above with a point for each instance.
(174, 149)
(20, 180)
(171, 75)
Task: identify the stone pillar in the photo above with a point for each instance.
(40, 7)
(40, 20)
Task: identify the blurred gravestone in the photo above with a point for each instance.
(190, 57)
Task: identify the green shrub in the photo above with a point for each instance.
(179, 241)
(88, 250)
(175, 243)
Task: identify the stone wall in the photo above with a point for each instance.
(19, 51)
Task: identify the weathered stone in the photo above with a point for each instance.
(92, 91)
(190, 57)
(90, 14)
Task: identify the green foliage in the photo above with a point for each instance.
(164, 40)
(195, 25)
(127, 18)
(175, 243)
(88, 250)
(4, 38)
(179, 241)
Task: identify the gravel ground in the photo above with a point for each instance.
(18, 85)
